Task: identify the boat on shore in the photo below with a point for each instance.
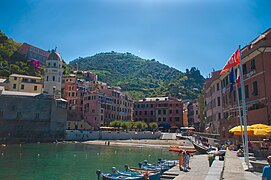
(200, 148)
(179, 149)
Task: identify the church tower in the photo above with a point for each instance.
(53, 75)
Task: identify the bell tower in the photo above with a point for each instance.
(53, 75)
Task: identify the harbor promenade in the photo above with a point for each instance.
(232, 168)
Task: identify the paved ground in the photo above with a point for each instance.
(199, 169)
(234, 170)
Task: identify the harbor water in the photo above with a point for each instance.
(71, 160)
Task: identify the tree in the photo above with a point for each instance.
(116, 123)
(153, 125)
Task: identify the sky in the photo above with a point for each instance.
(179, 33)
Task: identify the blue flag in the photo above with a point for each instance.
(232, 79)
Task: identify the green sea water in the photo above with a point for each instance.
(71, 160)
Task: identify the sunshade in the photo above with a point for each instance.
(237, 130)
(261, 130)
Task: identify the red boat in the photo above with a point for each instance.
(178, 149)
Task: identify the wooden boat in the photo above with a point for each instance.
(178, 149)
(150, 174)
(115, 175)
(200, 148)
(110, 176)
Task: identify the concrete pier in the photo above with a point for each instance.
(231, 169)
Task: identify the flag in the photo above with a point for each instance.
(238, 80)
(232, 79)
(232, 62)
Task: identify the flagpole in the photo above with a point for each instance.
(244, 109)
(240, 115)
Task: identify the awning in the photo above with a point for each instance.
(164, 125)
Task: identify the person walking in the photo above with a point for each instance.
(266, 175)
(180, 160)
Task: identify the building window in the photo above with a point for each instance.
(218, 101)
(37, 115)
(177, 111)
(244, 69)
(217, 86)
(145, 112)
(54, 64)
(53, 78)
(15, 78)
(164, 111)
(252, 63)
(177, 118)
(159, 119)
(151, 112)
(170, 111)
(255, 88)
(164, 119)
(219, 116)
(246, 91)
(159, 112)
(35, 88)
(22, 86)
(14, 86)
(239, 93)
(19, 114)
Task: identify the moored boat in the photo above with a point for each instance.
(148, 174)
(178, 149)
(200, 148)
(115, 175)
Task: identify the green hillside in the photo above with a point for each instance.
(140, 77)
(13, 62)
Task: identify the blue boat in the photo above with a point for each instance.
(117, 176)
(148, 174)
(162, 167)
(169, 163)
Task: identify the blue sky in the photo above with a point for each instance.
(179, 33)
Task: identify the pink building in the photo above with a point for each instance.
(33, 53)
(166, 112)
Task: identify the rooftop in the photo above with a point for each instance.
(2, 80)
(156, 99)
(17, 93)
(24, 76)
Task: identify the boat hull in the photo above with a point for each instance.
(200, 149)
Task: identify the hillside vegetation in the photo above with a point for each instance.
(13, 62)
(142, 78)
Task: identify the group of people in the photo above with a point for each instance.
(184, 159)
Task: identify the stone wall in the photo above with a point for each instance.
(31, 117)
(110, 135)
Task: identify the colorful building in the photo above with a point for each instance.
(256, 63)
(23, 83)
(33, 53)
(167, 112)
(213, 103)
(193, 114)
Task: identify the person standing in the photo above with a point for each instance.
(266, 175)
(185, 158)
(180, 160)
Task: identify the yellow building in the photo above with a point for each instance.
(78, 125)
(25, 83)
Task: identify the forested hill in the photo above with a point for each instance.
(142, 78)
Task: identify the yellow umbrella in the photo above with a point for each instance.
(237, 130)
(261, 130)
(260, 126)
